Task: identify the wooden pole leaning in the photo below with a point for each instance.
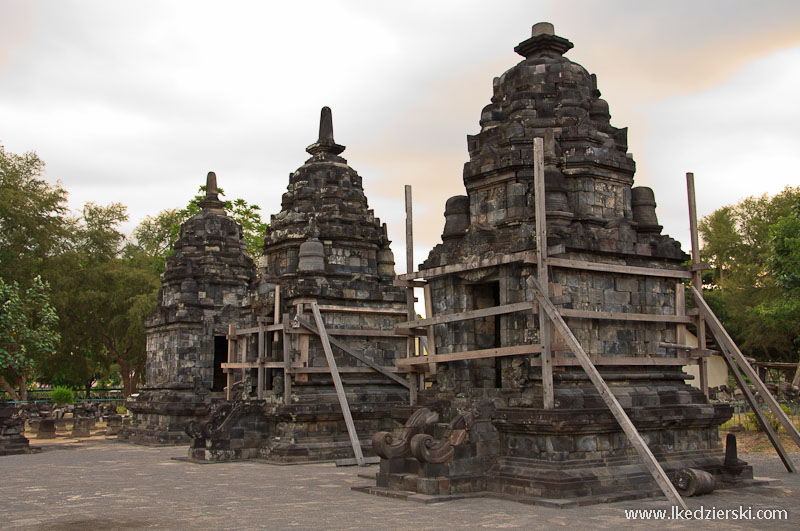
(337, 382)
(729, 347)
(608, 397)
(697, 279)
(541, 269)
(411, 341)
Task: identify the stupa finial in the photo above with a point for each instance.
(325, 143)
(543, 41)
(212, 201)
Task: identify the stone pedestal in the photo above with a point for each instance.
(12, 438)
(47, 429)
(113, 424)
(81, 427)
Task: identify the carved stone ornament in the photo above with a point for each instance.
(388, 446)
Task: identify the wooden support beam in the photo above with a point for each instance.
(430, 344)
(409, 283)
(303, 341)
(648, 361)
(276, 314)
(697, 277)
(411, 314)
(608, 397)
(730, 349)
(516, 350)
(622, 316)
(337, 382)
(231, 351)
(541, 269)
(287, 378)
(261, 360)
(357, 309)
(360, 357)
(680, 309)
(617, 268)
(463, 316)
(469, 265)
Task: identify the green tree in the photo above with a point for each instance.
(784, 266)
(28, 333)
(33, 226)
(105, 287)
(736, 241)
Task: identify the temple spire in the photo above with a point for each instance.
(543, 41)
(212, 201)
(325, 143)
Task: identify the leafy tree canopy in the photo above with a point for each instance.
(753, 247)
(28, 333)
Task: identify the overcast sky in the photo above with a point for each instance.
(134, 102)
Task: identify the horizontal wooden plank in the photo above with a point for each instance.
(362, 332)
(252, 365)
(517, 350)
(463, 316)
(621, 316)
(356, 309)
(615, 268)
(409, 283)
(618, 360)
(326, 370)
(468, 266)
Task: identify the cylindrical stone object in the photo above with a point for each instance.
(694, 482)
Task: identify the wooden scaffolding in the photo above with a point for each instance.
(553, 328)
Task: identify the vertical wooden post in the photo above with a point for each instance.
(431, 334)
(697, 279)
(337, 382)
(409, 266)
(411, 314)
(260, 384)
(243, 358)
(541, 269)
(277, 312)
(231, 351)
(287, 377)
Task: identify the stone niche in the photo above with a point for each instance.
(488, 430)
(205, 288)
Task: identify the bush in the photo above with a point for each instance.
(62, 395)
(753, 424)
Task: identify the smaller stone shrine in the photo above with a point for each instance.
(326, 249)
(204, 290)
(12, 432)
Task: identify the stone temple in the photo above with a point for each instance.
(238, 364)
(487, 429)
(325, 246)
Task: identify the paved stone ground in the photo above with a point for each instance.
(102, 484)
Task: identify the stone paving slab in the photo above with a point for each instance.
(102, 484)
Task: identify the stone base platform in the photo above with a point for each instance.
(160, 416)
(311, 430)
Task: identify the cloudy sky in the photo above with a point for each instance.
(134, 102)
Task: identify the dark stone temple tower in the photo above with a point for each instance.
(482, 426)
(204, 289)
